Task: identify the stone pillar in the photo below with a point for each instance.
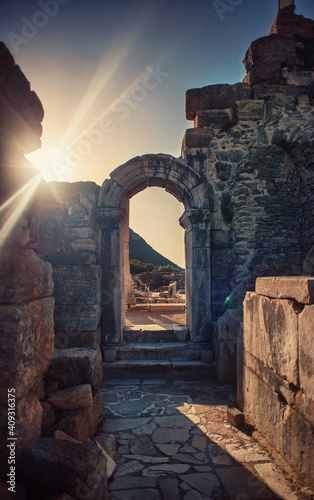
(113, 222)
(198, 273)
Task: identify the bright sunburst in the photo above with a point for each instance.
(50, 163)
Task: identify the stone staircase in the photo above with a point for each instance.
(158, 352)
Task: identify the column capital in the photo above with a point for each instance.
(194, 216)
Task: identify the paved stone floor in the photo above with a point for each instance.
(174, 442)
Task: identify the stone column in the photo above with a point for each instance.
(198, 272)
(112, 222)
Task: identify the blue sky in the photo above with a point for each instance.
(89, 61)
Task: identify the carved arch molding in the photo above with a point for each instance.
(189, 187)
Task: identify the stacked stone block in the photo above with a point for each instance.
(275, 379)
(70, 240)
(253, 141)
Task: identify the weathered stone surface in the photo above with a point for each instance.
(71, 259)
(270, 328)
(298, 288)
(213, 118)
(50, 233)
(48, 418)
(197, 138)
(108, 443)
(73, 398)
(265, 57)
(79, 424)
(55, 466)
(82, 318)
(215, 97)
(77, 285)
(205, 483)
(70, 367)
(289, 24)
(124, 424)
(306, 350)
(275, 481)
(111, 466)
(161, 436)
(170, 488)
(250, 110)
(23, 276)
(26, 345)
(69, 340)
(21, 110)
(156, 470)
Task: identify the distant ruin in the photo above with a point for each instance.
(246, 182)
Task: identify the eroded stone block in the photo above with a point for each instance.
(197, 138)
(71, 367)
(27, 337)
(72, 398)
(81, 318)
(77, 285)
(55, 466)
(298, 288)
(215, 97)
(270, 328)
(23, 276)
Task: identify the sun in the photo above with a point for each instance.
(51, 164)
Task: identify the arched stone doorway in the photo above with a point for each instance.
(184, 183)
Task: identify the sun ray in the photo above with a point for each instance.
(20, 201)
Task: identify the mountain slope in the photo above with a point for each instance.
(143, 252)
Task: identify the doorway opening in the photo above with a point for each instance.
(155, 273)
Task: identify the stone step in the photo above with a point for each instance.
(158, 368)
(155, 333)
(157, 350)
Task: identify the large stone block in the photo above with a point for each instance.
(27, 338)
(215, 97)
(289, 24)
(56, 466)
(77, 285)
(273, 48)
(306, 350)
(50, 232)
(23, 276)
(71, 259)
(71, 367)
(71, 318)
(253, 110)
(269, 333)
(213, 118)
(72, 398)
(298, 288)
(197, 138)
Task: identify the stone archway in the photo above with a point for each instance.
(184, 183)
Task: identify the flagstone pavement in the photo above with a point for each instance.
(174, 442)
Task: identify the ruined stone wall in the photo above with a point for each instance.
(275, 375)
(26, 286)
(70, 239)
(254, 143)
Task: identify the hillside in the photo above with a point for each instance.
(143, 252)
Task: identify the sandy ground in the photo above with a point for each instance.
(159, 318)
